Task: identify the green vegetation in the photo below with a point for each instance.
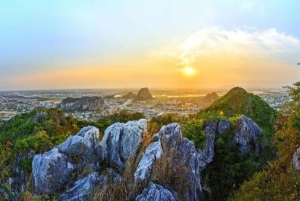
(239, 102)
(229, 167)
(278, 180)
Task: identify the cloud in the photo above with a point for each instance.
(233, 53)
(247, 6)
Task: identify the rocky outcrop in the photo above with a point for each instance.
(143, 95)
(167, 155)
(129, 95)
(82, 149)
(82, 104)
(295, 160)
(179, 153)
(212, 130)
(121, 140)
(247, 135)
(82, 189)
(153, 152)
(156, 192)
(53, 170)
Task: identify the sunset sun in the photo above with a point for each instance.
(189, 70)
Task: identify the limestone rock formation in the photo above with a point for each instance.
(168, 155)
(143, 95)
(247, 135)
(82, 104)
(83, 148)
(156, 192)
(179, 153)
(53, 169)
(153, 152)
(120, 140)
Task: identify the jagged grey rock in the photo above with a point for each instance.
(171, 136)
(184, 161)
(156, 192)
(295, 160)
(246, 134)
(121, 140)
(187, 162)
(167, 138)
(83, 148)
(51, 171)
(207, 154)
(83, 188)
(151, 154)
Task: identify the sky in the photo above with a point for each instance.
(205, 44)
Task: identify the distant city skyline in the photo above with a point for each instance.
(158, 44)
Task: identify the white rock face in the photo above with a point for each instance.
(51, 171)
(84, 146)
(121, 140)
(246, 134)
(153, 152)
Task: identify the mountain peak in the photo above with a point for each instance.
(143, 94)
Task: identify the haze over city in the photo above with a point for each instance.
(158, 44)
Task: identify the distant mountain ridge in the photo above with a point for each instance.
(82, 104)
(129, 95)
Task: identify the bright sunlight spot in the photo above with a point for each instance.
(189, 70)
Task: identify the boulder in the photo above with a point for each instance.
(51, 171)
(121, 140)
(82, 149)
(156, 192)
(247, 134)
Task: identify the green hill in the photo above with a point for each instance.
(239, 102)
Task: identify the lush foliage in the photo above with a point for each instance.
(278, 180)
(229, 167)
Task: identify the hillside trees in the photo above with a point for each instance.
(278, 180)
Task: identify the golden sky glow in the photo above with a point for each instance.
(155, 44)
